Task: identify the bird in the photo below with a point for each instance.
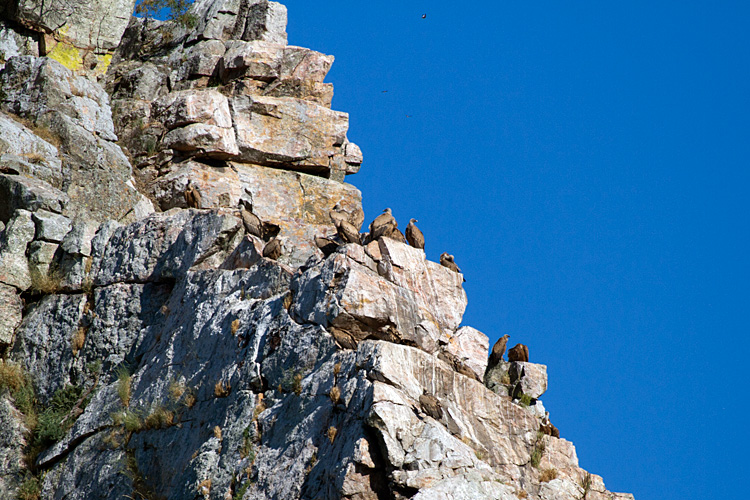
(430, 405)
(337, 214)
(413, 235)
(253, 224)
(424, 16)
(193, 196)
(272, 250)
(345, 339)
(498, 350)
(326, 245)
(347, 232)
(395, 235)
(446, 260)
(382, 224)
(519, 352)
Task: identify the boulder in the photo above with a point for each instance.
(247, 20)
(528, 378)
(469, 347)
(11, 313)
(24, 152)
(26, 193)
(87, 25)
(51, 226)
(14, 266)
(287, 132)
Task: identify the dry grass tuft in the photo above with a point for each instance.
(331, 434)
(46, 283)
(124, 386)
(335, 395)
(159, 418)
(204, 488)
(176, 390)
(76, 342)
(548, 475)
(222, 389)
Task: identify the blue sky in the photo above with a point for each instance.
(587, 164)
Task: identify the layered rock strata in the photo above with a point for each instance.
(167, 356)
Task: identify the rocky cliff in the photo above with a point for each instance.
(179, 316)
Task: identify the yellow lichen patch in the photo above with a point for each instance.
(102, 63)
(67, 55)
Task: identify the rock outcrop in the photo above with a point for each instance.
(150, 350)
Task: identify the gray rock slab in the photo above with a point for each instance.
(51, 226)
(14, 266)
(34, 156)
(528, 378)
(12, 443)
(11, 313)
(93, 25)
(25, 193)
(165, 246)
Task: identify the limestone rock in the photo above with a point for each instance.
(469, 347)
(179, 109)
(77, 110)
(91, 25)
(33, 86)
(165, 246)
(51, 226)
(250, 20)
(202, 59)
(23, 152)
(143, 81)
(12, 442)
(287, 131)
(14, 267)
(528, 378)
(11, 312)
(26, 193)
(211, 371)
(16, 41)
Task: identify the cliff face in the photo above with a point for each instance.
(150, 349)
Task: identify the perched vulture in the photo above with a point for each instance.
(431, 406)
(326, 245)
(253, 224)
(413, 235)
(497, 351)
(446, 260)
(193, 196)
(272, 250)
(347, 232)
(519, 353)
(383, 224)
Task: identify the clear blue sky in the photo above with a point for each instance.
(587, 164)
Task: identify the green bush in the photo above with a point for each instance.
(50, 427)
(178, 10)
(30, 489)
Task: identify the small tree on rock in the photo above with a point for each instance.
(178, 10)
